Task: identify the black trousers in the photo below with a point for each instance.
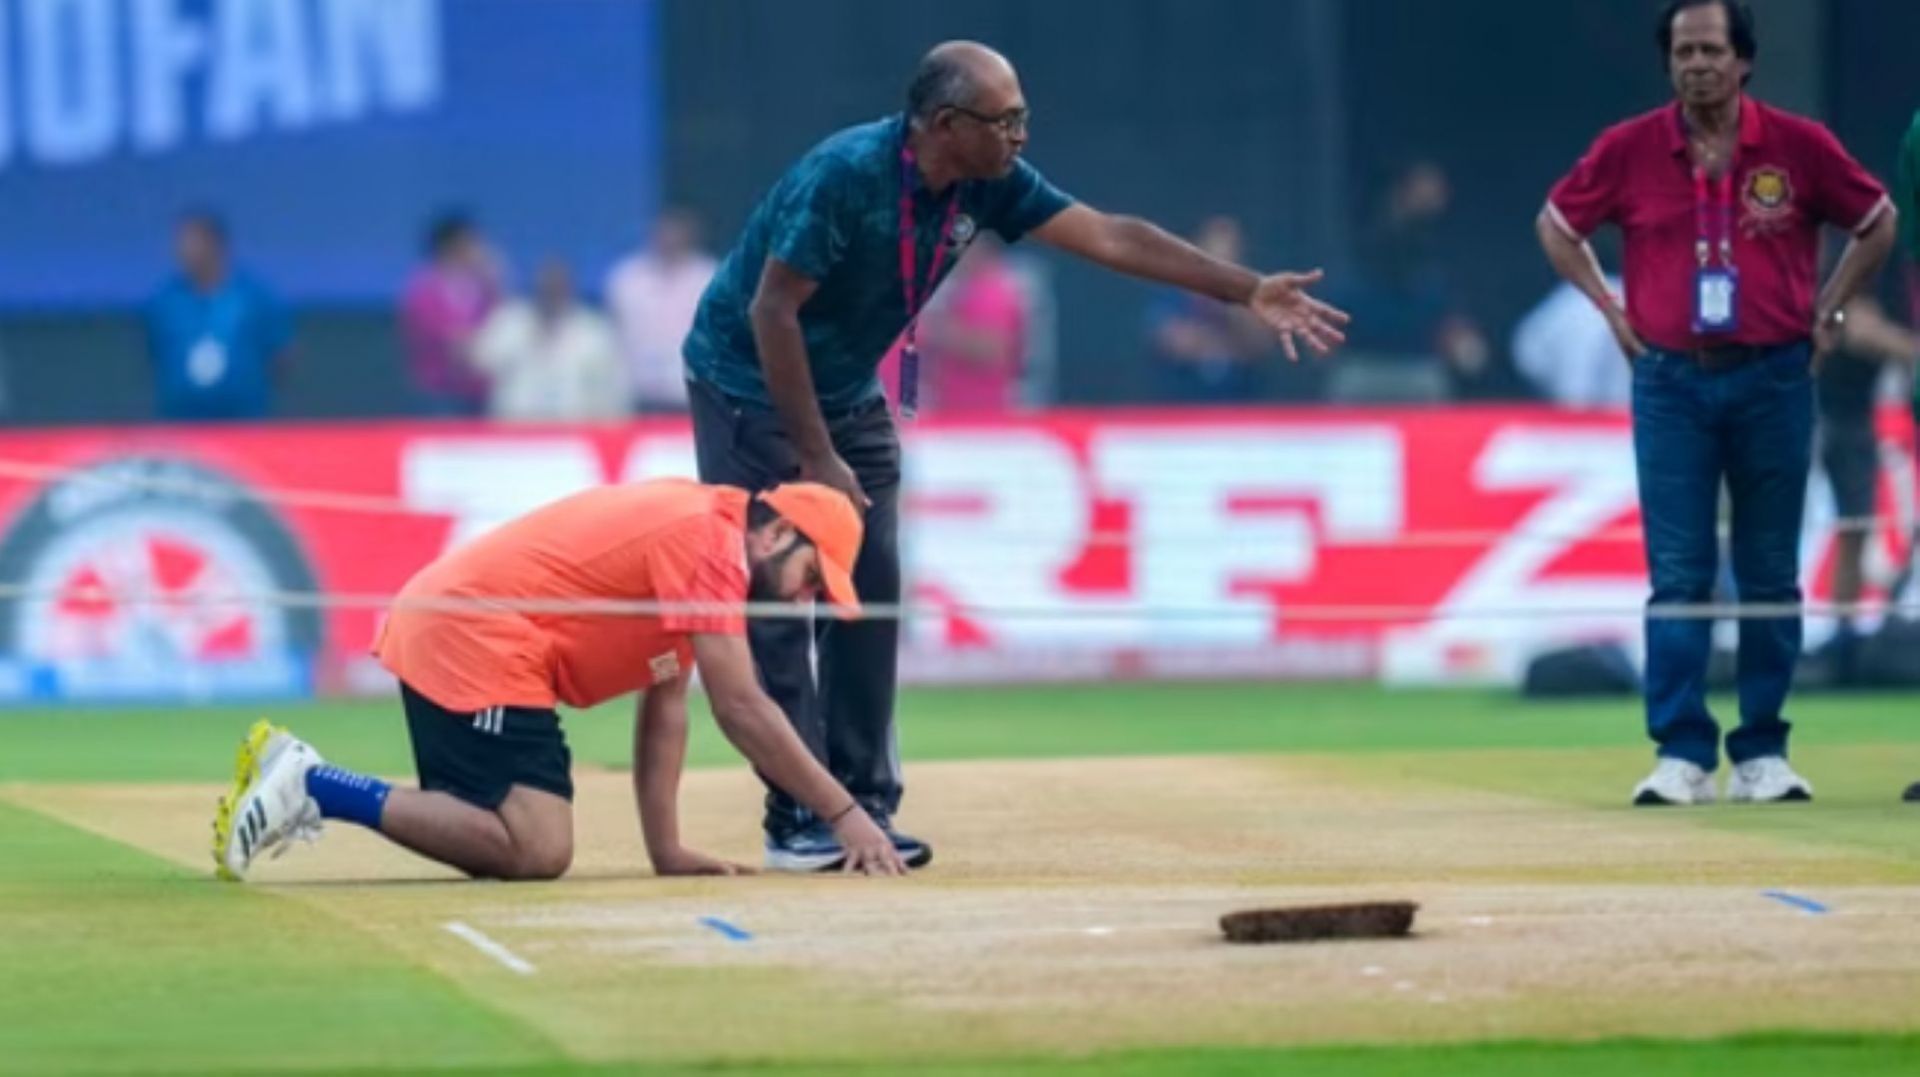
(843, 706)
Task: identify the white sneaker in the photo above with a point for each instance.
(269, 805)
(1765, 780)
(1674, 782)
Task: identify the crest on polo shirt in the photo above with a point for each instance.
(1768, 196)
(665, 667)
(963, 231)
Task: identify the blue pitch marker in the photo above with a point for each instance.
(731, 932)
(1806, 905)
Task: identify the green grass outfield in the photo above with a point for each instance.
(114, 960)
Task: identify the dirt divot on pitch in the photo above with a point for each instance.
(1073, 905)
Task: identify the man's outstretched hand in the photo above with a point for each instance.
(1282, 303)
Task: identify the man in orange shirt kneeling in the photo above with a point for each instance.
(490, 639)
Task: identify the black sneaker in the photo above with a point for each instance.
(1912, 795)
(807, 849)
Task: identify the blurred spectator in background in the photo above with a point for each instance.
(973, 337)
(1566, 349)
(1401, 297)
(1204, 350)
(652, 295)
(442, 307)
(216, 336)
(1906, 199)
(551, 358)
(1847, 383)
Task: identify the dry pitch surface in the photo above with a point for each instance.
(1072, 907)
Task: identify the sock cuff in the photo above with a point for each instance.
(342, 794)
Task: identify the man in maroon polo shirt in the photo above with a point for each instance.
(1719, 199)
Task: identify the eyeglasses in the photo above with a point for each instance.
(1010, 123)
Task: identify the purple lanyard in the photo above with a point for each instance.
(910, 288)
(1721, 213)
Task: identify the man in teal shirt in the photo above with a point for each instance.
(782, 359)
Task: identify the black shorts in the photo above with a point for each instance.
(479, 757)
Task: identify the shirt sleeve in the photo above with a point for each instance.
(496, 342)
(1022, 202)
(700, 563)
(1005, 308)
(425, 319)
(1589, 196)
(810, 229)
(1845, 194)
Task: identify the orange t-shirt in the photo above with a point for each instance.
(671, 540)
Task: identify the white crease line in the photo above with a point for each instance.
(491, 948)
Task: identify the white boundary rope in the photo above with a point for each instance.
(1329, 613)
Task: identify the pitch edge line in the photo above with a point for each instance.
(732, 932)
(492, 949)
(1806, 905)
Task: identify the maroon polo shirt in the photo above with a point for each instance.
(1790, 177)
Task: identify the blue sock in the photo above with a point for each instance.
(343, 794)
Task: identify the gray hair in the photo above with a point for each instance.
(941, 81)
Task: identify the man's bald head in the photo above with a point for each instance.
(957, 74)
(968, 115)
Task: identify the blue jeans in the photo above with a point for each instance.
(1750, 426)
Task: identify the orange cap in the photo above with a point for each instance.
(829, 521)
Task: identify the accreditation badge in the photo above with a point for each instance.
(1716, 296)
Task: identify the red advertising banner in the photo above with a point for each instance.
(1436, 545)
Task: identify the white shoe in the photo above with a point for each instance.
(1674, 782)
(1765, 780)
(269, 805)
